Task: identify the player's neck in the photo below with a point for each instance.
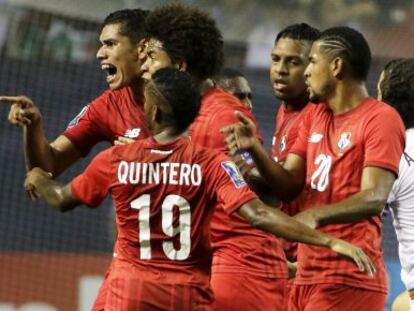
(165, 135)
(137, 88)
(296, 104)
(347, 96)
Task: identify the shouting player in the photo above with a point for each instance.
(346, 156)
(396, 87)
(243, 257)
(116, 115)
(165, 188)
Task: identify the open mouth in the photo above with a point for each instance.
(111, 71)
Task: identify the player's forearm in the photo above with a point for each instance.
(38, 152)
(281, 225)
(55, 194)
(362, 205)
(283, 184)
(259, 185)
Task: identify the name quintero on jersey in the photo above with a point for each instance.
(159, 173)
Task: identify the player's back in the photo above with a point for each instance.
(164, 196)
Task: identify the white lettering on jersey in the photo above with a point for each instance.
(315, 138)
(159, 173)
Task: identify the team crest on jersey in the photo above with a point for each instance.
(234, 173)
(282, 144)
(132, 133)
(344, 141)
(76, 119)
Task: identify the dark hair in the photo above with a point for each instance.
(180, 95)
(397, 88)
(300, 31)
(132, 21)
(189, 35)
(349, 44)
(228, 73)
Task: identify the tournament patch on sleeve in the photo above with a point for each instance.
(76, 119)
(234, 173)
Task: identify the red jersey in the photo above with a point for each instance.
(237, 246)
(115, 113)
(286, 132)
(163, 196)
(337, 149)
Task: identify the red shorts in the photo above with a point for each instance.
(99, 304)
(248, 292)
(147, 289)
(334, 297)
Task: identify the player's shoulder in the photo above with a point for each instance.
(375, 109)
(111, 98)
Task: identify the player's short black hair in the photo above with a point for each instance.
(349, 44)
(180, 92)
(397, 88)
(189, 35)
(301, 31)
(228, 73)
(132, 21)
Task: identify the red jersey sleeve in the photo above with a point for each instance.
(303, 134)
(231, 189)
(93, 185)
(384, 138)
(84, 130)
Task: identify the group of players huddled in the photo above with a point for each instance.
(189, 175)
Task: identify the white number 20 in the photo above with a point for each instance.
(142, 204)
(320, 178)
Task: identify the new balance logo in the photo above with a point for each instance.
(315, 137)
(132, 133)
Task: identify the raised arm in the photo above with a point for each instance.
(276, 222)
(287, 181)
(53, 157)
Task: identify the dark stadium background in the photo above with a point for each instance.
(44, 253)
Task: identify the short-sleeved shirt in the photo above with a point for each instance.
(287, 124)
(113, 114)
(237, 246)
(401, 202)
(164, 195)
(336, 150)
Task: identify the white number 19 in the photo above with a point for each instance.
(142, 204)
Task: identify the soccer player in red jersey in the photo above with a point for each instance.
(115, 116)
(165, 188)
(243, 257)
(234, 82)
(346, 155)
(289, 61)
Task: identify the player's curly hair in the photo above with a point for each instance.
(301, 31)
(350, 45)
(397, 88)
(178, 96)
(189, 35)
(132, 21)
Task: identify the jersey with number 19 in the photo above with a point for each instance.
(337, 148)
(164, 195)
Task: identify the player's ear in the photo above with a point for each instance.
(181, 65)
(338, 67)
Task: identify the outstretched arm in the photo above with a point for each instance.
(274, 221)
(57, 195)
(54, 157)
